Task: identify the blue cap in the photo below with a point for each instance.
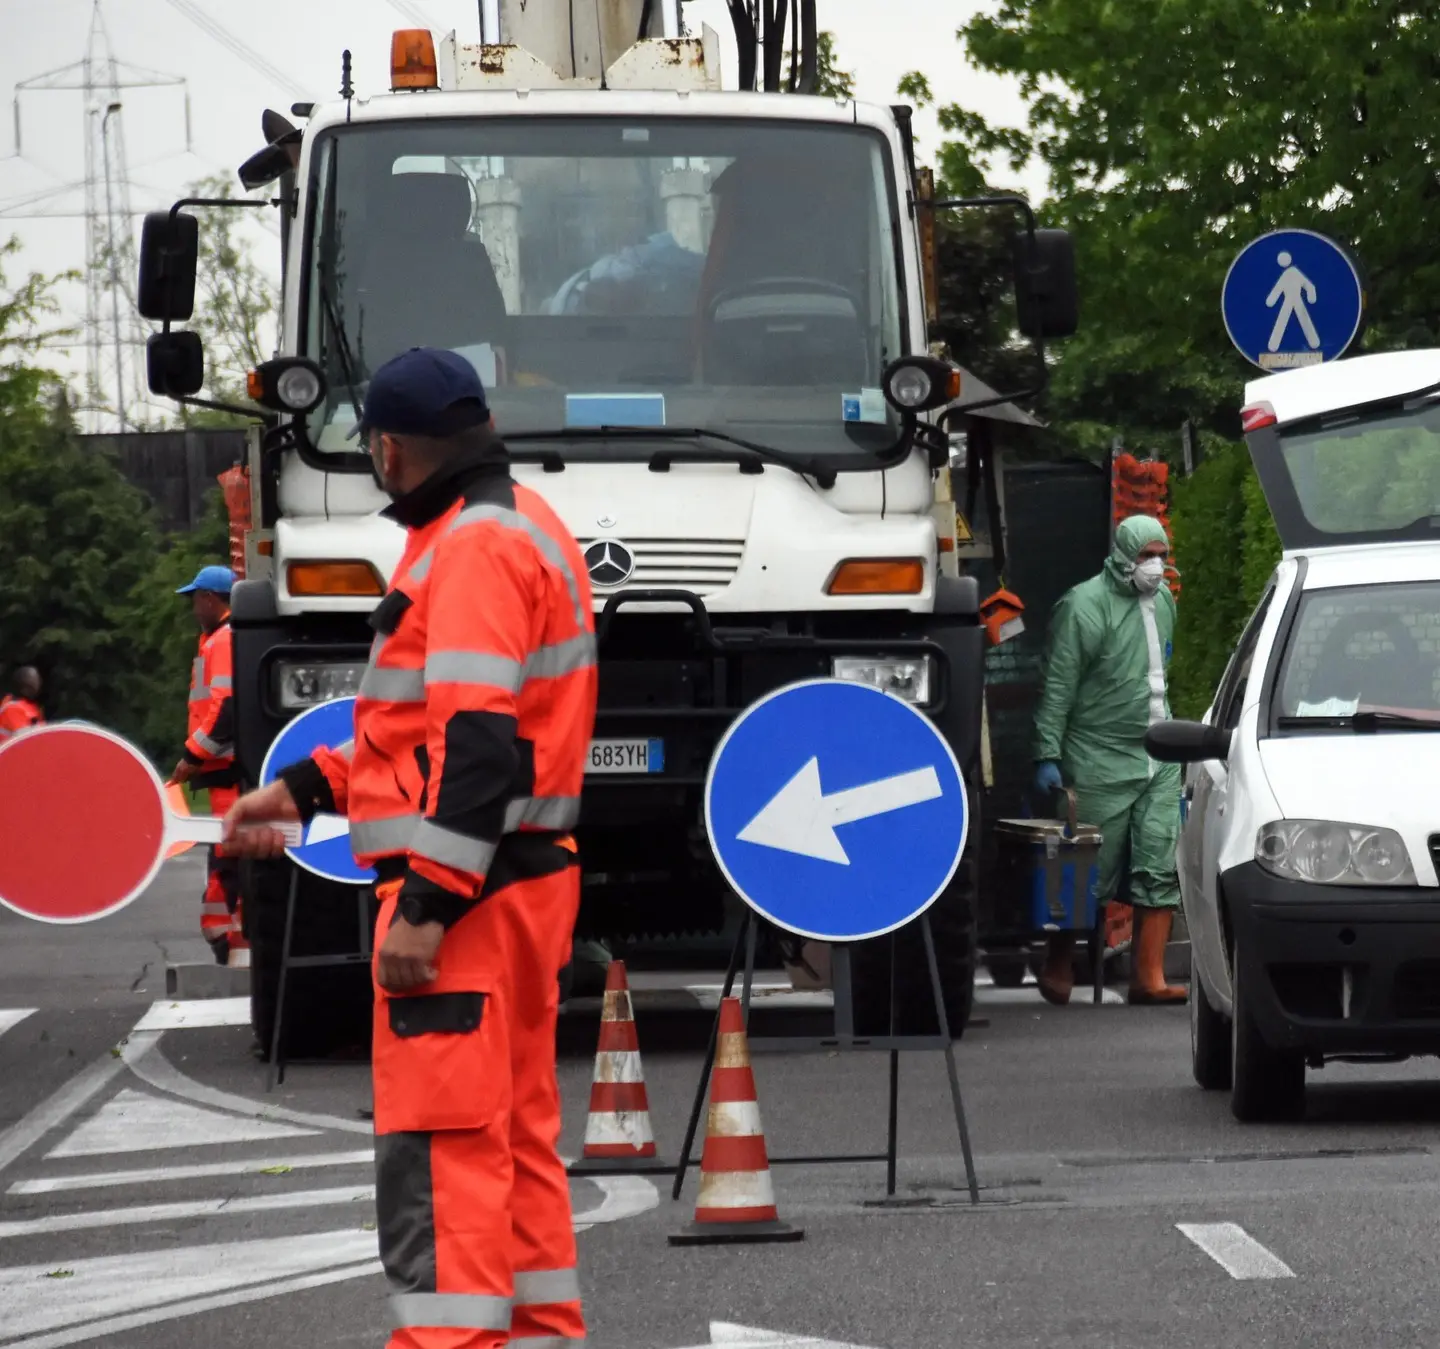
(217, 580)
(425, 391)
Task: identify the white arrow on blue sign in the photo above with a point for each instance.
(1292, 298)
(326, 850)
(835, 810)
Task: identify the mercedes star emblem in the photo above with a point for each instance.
(610, 563)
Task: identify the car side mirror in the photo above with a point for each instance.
(1187, 742)
(175, 364)
(169, 264)
(1046, 295)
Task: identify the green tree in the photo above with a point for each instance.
(1173, 134)
(831, 80)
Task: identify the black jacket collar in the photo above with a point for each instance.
(439, 491)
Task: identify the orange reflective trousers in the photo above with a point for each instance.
(472, 1198)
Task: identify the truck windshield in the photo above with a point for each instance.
(1363, 650)
(734, 276)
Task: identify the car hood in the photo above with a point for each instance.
(1387, 778)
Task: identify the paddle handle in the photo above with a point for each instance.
(211, 829)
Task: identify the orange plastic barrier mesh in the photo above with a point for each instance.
(235, 483)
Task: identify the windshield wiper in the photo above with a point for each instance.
(1362, 722)
(740, 451)
(342, 347)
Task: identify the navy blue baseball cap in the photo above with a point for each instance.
(217, 580)
(425, 391)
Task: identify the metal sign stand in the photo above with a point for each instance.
(844, 1039)
(289, 961)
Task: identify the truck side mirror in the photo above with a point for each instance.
(169, 264)
(174, 364)
(1045, 291)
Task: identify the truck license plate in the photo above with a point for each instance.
(626, 756)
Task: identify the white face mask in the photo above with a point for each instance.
(1148, 575)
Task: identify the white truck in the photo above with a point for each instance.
(703, 320)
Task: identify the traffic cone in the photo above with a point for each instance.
(618, 1138)
(737, 1199)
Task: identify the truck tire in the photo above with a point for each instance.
(1268, 1084)
(952, 922)
(1210, 1047)
(327, 1010)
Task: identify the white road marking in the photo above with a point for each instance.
(196, 1014)
(60, 1105)
(1029, 996)
(10, 1017)
(200, 1208)
(157, 1071)
(1236, 1251)
(110, 1285)
(625, 1197)
(135, 1121)
(96, 1180)
(748, 1337)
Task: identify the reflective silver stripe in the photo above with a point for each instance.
(391, 834)
(222, 682)
(213, 747)
(474, 667)
(467, 1311)
(547, 546)
(562, 658)
(547, 1285)
(200, 694)
(215, 906)
(546, 1342)
(544, 812)
(421, 569)
(451, 849)
(345, 751)
(389, 685)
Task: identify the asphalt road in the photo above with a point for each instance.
(152, 1193)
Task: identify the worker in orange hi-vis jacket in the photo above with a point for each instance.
(208, 762)
(20, 709)
(462, 786)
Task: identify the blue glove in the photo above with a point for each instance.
(1048, 779)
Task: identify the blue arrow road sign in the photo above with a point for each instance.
(1292, 298)
(835, 810)
(326, 850)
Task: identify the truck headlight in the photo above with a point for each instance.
(1326, 852)
(300, 685)
(907, 679)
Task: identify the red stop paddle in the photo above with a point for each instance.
(84, 825)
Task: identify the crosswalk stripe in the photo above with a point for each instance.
(95, 1180)
(203, 1208)
(1236, 1252)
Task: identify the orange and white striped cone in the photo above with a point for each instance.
(618, 1137)
(737, 1198)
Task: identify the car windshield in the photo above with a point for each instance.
(727, 276)
(1366, 475)
(1370, 649)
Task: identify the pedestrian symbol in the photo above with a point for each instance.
(1295, 289)
(1292, 298)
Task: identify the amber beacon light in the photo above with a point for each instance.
(412, 60)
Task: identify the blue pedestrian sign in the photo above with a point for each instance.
(326, 850)
(836, 811)
(1292, 298)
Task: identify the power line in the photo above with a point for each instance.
(413, 12)
(236, 47)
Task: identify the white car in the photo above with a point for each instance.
(1312, 802)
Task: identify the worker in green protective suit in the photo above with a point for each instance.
(1110, 641)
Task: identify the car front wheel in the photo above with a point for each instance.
(1210, 1058)
(1269, 1084)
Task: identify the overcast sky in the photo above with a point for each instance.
(299, 42)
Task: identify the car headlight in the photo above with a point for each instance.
(1325, 852)
(305, 685)
(907, 679)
